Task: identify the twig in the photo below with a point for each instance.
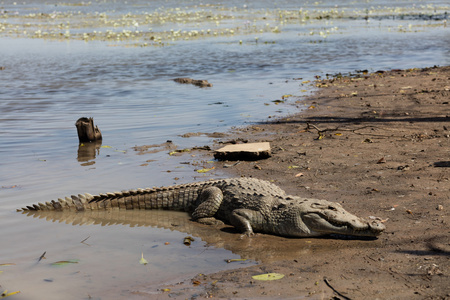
(42, 256)
(334, 290)
(308, 125)
(322, 131)
(83, 241)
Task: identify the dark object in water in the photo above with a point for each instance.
(200, 83)
(87, 132)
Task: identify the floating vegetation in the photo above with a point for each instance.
(163, 26)
(62, 263)
(143, 261)
(5, 294)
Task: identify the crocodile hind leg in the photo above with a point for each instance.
(210, 201)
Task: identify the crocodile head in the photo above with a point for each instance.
(321, 217)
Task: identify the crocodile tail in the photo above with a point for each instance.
(77, 203)
(180, 197)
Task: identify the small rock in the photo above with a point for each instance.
(440, 207)
(434, 270)
(403, 168)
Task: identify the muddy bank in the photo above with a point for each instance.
(379, 144)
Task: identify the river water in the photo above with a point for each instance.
(116, 61)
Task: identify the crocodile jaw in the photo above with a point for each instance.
(321, 224)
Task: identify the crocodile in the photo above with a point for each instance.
(249, 204)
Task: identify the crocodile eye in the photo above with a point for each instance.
(332, 208)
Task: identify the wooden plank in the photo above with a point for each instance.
(248, 151)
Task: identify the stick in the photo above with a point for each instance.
(334, 290)
(321, 132)
(85, 240)
(42, 256)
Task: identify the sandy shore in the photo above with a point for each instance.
(379, 144)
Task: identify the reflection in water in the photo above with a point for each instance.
(88, 151)
(261, 247)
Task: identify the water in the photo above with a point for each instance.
(115, 62)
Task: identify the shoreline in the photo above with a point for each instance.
(379, 144)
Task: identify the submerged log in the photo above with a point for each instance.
(87, 132)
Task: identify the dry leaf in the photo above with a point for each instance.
(235, 259)
(65, 262)
(268, 276)
(381, 161)
(204, 170)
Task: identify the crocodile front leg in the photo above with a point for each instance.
(247, 220)
(210, 201)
